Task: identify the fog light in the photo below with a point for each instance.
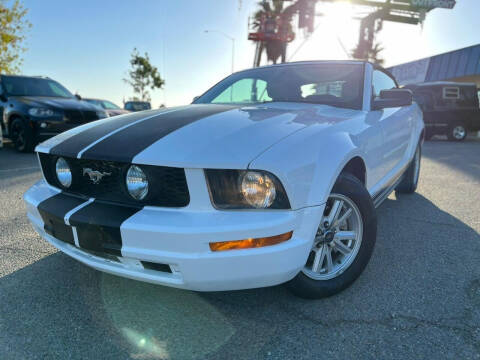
(64, 174)
(137, 183)
(250, 243)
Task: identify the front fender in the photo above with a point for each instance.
(308, 164)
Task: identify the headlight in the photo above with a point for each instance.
(240, 189)
(41, 112)
(137, 183)
(258, 189)
(102, 114)
(64, 175)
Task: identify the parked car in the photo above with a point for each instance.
(137, 105)
(36, 108)
(271, 176)
(110, 108)
(449, 108)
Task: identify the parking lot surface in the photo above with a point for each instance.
(419, 297)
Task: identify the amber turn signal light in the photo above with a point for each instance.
(250, 243)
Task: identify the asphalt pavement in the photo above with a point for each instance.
(419, 297)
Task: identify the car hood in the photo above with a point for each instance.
(115, 112)
(194, 136)
(57, 102)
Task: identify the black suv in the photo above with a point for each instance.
(36, 108)
(449, 108)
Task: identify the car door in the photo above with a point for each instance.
(3, 104)
(396, 124)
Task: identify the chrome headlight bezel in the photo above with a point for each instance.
(225, 187)
(63, 172)
(136, 183)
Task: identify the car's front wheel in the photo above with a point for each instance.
(409, 183)
(22, 136)
(457, 132)
(343, 243)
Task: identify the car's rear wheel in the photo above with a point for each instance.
(457, 132)
(343, 243)
(410, 178)
(22, 136)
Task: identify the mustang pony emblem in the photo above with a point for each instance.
(95, 175)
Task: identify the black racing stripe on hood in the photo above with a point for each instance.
(98, 226)
(126, 144)
(73, 145)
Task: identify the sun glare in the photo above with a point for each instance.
(335, 35)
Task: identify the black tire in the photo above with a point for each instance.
(457, 132)
(22, 136)
(308, 288)
(410, 178)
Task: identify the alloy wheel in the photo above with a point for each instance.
(18, 135)
(337, 241)
(459, 132)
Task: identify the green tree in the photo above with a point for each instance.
(143, 76)
(13, 26)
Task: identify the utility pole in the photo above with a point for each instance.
(232, 39)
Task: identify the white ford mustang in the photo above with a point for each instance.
(272, 176)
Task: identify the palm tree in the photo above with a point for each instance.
(367, 48)
(272, 16)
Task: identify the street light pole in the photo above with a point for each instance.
(233, 44)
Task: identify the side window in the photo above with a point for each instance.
(381, 81)
(451, 92)
(243, 91)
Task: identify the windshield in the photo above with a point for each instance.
(109, 105)
(105, 104)
(331, 84)
(24, 86)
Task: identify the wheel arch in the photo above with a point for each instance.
(356, 167)
(11, 117)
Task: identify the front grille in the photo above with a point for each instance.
(167, 185)
(79, 116)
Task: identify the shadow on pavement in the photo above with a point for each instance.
(463, 156)
(58, 308)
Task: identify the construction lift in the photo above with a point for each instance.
(272, 31)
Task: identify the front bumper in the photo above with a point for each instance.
(179, 239)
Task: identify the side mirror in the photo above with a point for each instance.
(393, 98)
(195, 99)
(3, 98)
(78, 97)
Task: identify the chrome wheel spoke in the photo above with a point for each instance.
(345, 235)
(319, 258)
(335, 211)
(328, 253)
(344, 218)
(339, 246)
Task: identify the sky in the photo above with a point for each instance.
(86, 45)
